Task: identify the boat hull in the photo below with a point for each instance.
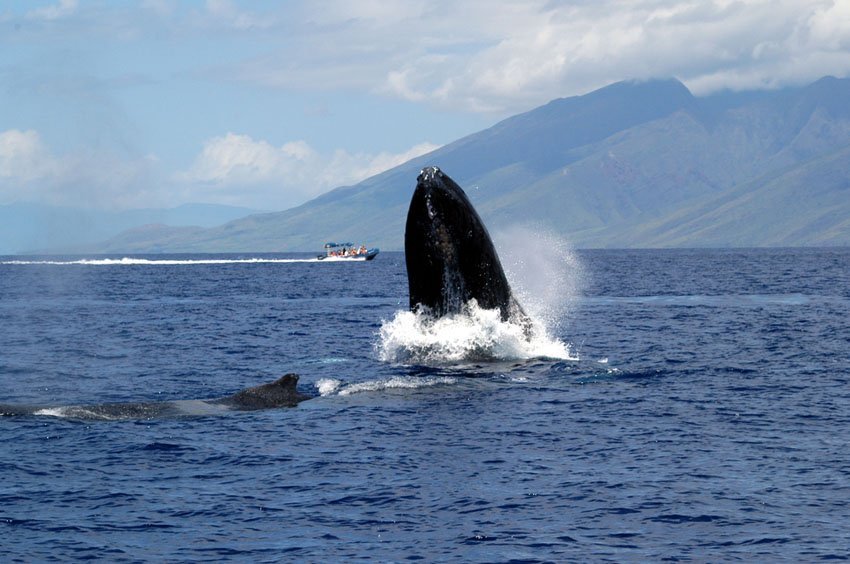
(369, 255)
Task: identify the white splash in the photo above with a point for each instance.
(327, 386)
(476, 334)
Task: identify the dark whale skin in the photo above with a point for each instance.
(280, 393)
(449, 254)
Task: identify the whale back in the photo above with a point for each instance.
(280, 393)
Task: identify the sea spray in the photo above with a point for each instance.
(545, 273)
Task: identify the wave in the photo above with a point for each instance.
(720, 300)
(52, 411)
(476, 334)
(330, 386)
(128, 261)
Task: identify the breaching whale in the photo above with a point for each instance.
(449, 254)
(280, 393)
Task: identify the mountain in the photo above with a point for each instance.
(28, 227)
(634, 164)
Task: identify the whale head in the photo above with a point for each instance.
(449, 254)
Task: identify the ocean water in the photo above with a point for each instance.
(671, 405)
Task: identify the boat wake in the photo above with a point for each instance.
(128, 261)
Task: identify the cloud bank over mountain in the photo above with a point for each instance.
(267, 104)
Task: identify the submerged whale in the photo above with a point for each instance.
(280, 393)
(449, 254)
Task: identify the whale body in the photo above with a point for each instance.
(449, 254)
(280, 393)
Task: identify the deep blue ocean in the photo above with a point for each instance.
(682, 405)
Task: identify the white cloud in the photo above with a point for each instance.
(23, 157)
(236, 168)
(509, 55)
(230, 169)
(544, 52)
(226, 13)
(162, 8)
(498, 56)
(54, 11)
(238, 159)
(829, 26)
(30, 172)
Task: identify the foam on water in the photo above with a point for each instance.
(361, 258)
(330, 386)
(51, 411)
(79, 412)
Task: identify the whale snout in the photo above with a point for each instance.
(428, 174)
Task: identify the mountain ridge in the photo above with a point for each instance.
(634, 164)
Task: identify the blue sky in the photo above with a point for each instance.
(155, 103)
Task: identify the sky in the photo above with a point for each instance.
(156, 103)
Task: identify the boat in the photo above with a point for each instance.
(348, 251)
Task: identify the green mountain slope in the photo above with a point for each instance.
(630, 165)
(805, 205)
